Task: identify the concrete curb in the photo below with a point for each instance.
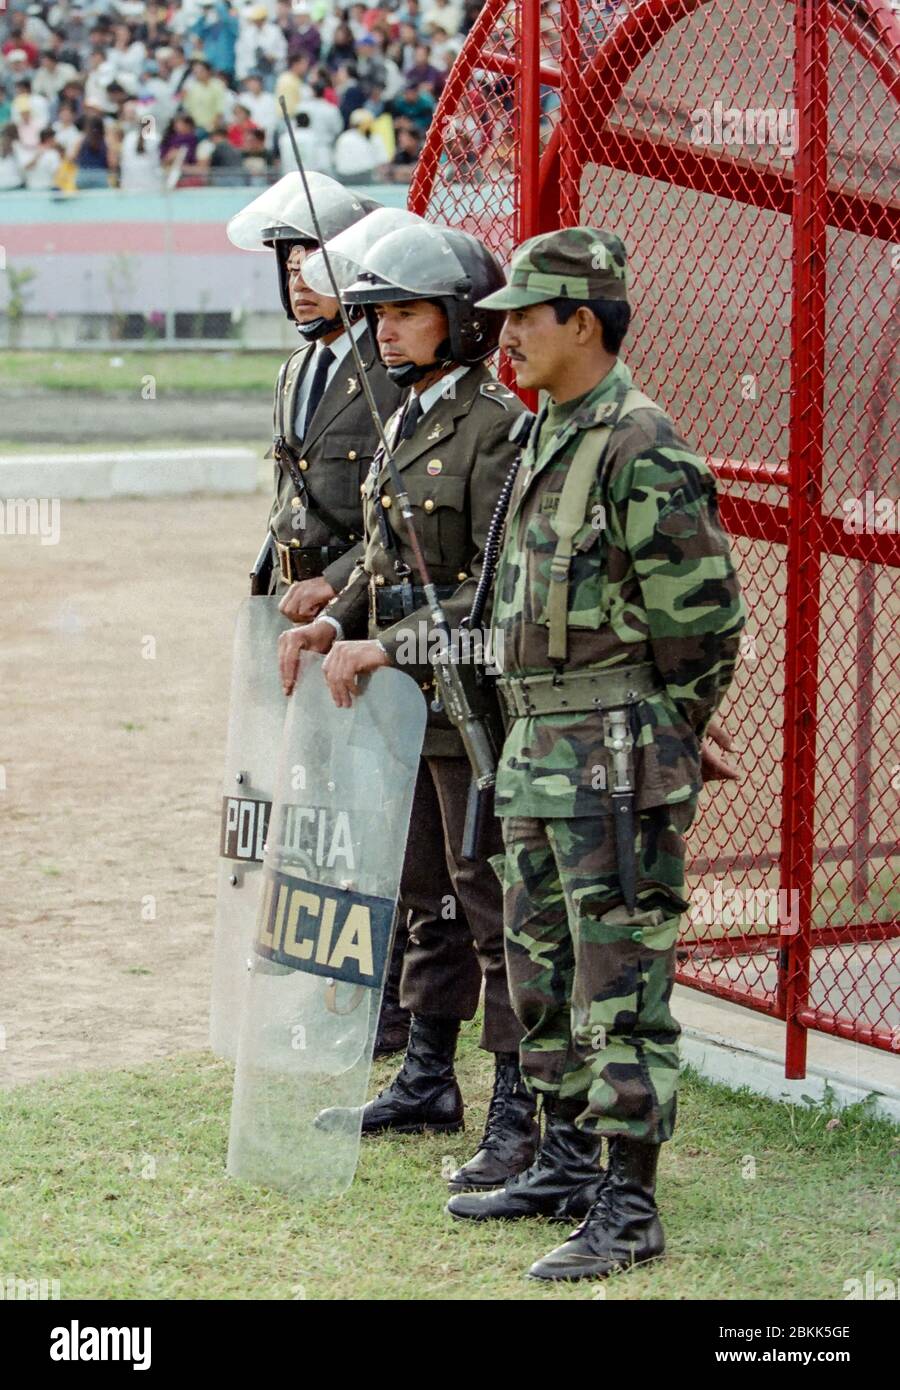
(741, 1049)
(128, 473)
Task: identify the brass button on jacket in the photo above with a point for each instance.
(454, 495)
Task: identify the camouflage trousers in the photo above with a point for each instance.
(590, 981)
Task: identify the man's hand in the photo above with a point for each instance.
(346, 662)
(713, 767)
(315, 637)
(305, 600)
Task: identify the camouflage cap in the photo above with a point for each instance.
(575, 263)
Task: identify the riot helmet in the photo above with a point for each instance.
(347, 251)
(281, 218)
(446, 267)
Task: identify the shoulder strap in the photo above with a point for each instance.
(278, 412)
(569, 519)
(572, 513)
(636, 400)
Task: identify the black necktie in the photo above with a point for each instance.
(411, 417)
(324, 359)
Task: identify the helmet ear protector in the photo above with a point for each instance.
(283, 240)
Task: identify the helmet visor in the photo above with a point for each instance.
(348, 250)
(418, 260)
(286, 204)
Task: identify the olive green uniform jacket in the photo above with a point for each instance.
(452, 468)
(333, 458)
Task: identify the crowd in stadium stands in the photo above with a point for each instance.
(140, 96)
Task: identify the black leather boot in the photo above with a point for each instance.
(424, 1094)
(511, 1134)
(621, 1229)
(562, 1183)
(393, 1021)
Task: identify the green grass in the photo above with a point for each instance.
(176, 373)
(114, 1184)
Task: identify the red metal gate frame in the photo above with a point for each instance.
(548, 196)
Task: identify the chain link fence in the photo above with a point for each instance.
(746, 153)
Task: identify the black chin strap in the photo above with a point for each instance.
(411, 372)
(317, 328)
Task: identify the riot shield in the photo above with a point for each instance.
(255, 721)
(334, 851)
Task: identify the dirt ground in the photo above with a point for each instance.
(114, 676)
(115, 664)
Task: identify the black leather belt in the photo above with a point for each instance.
(306, 561)
(391, 602)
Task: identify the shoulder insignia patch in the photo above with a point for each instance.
(497, 392)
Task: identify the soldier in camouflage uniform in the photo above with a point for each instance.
(617, 616)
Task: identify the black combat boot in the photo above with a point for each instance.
(424, 1094)
(393, 1021)
(511, 1135)
(621, 1229)
(562, 1183)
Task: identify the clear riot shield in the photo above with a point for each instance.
(255, 721)
(335, 847)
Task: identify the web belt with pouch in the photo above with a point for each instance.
(611, 693)
(577, 692)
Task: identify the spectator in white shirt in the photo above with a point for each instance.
(139, 165)
(314, 152)
(68, 136)
(325, 120)
(261, 46)
(51, 77)
(261, 104)
(159, 89)
(10, 168)
(39, 166)
(125, 56)
(98, 79)
(28, 106)
(358, 150)
(444, 48)
(442, 12)
(36, 30)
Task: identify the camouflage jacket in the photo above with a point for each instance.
(651, 581)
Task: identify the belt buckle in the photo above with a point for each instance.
(284, 562)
